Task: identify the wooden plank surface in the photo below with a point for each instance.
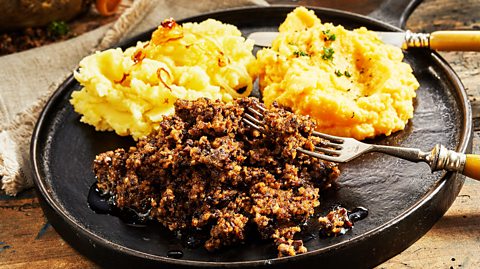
(27, 240)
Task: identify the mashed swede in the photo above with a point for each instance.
(350, 82)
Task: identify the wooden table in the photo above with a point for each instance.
(28, 240)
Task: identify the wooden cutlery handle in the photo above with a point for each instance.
(455, 40)
(472, 166)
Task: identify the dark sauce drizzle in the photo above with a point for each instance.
(357, 213)
(104, 204)
(98, 203)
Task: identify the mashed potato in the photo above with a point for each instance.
(349, 81)
(129, 91)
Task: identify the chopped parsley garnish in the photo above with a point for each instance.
(328, 53)
(339, 73)
(300, 53)
(329, 36)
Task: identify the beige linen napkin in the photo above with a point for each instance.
(28, 79)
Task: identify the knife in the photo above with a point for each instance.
(438, 40)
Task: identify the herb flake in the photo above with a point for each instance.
(327, 53)
(300, 53)
(329, 36)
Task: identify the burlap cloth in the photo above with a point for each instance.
(28, 79)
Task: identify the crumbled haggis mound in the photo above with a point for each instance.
(205, 170)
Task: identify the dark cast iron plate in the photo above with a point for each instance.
(404, 199)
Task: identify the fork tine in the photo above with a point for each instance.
(328, 151)
(260, 107)
(332, 145)
(252, 118)
(253, 125)
(332, 138)
(255, 112)
(324, 157)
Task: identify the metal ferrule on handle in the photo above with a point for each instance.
(443, 159)
(416, 40)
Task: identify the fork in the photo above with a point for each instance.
(344, 149)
